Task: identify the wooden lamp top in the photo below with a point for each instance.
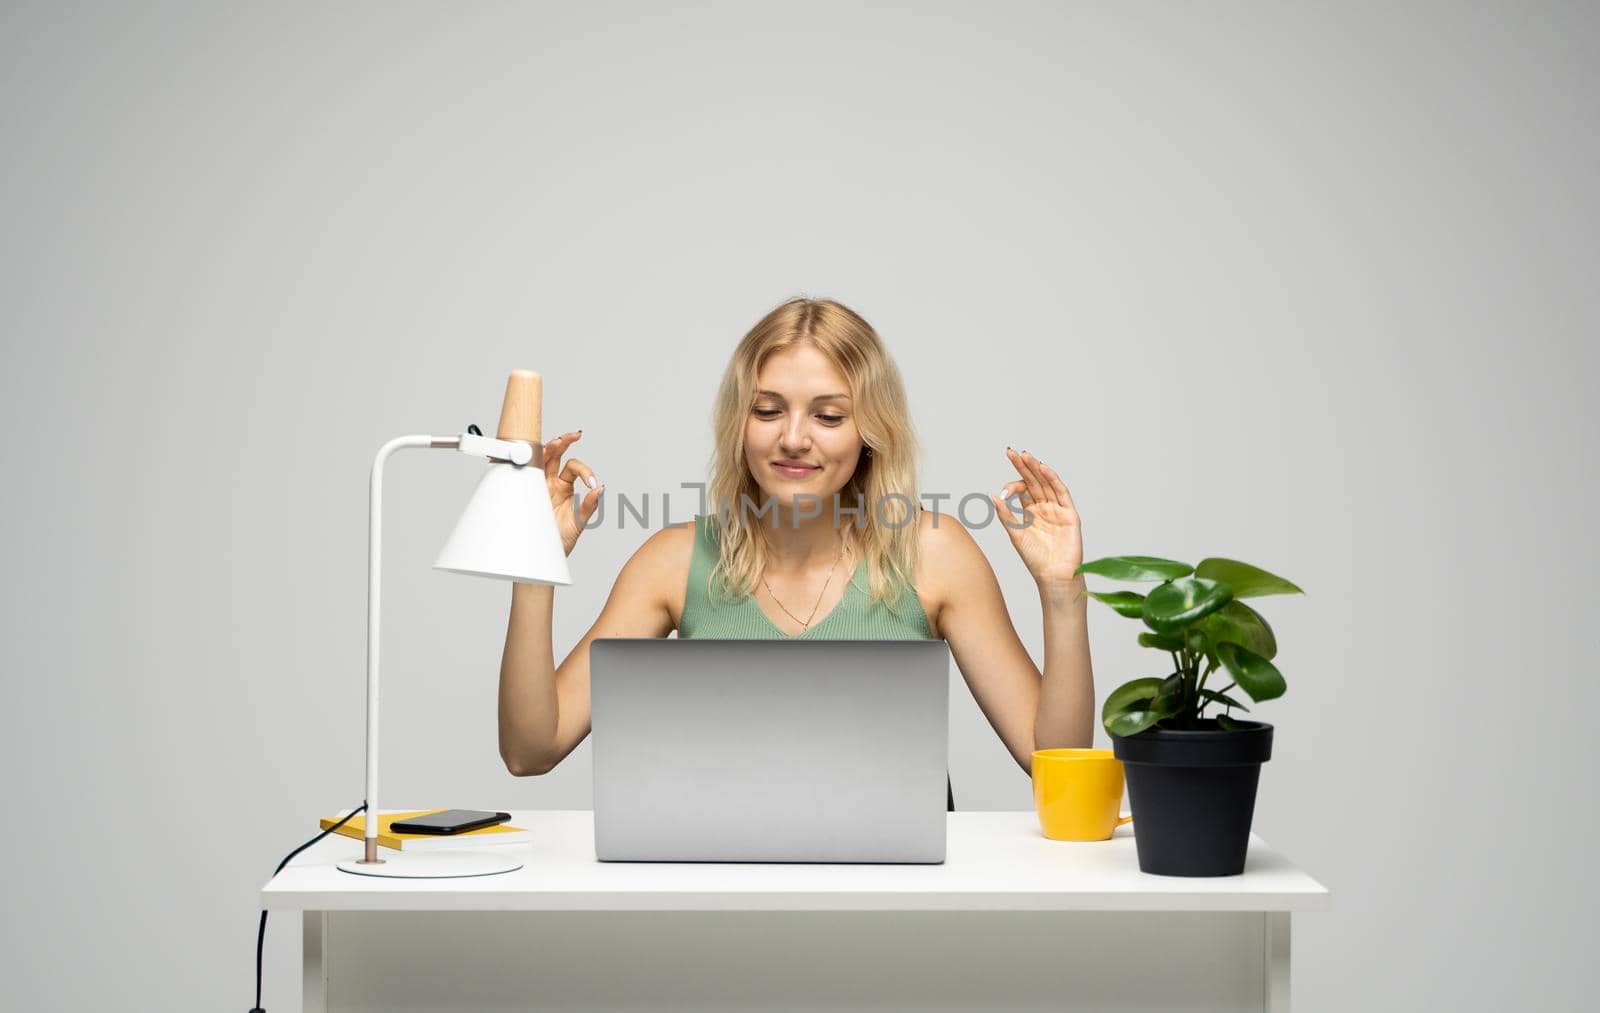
(519, 415)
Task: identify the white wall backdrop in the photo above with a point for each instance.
(1312, 288)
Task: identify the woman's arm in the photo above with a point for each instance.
(1049, 538)
(1066, 701)
(544, 711)
(1027, 709)
(529, 705)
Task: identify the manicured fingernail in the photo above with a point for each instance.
(591, 481)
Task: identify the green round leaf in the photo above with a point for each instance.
(1129, 695)
(1177, 603)
(1247, 581)
(1254, 674)
(1227, 724)
(1131, 722)
(1136, 568)
(1161, 642)
(1170, 700)
(1238, 623)
(1127, 603)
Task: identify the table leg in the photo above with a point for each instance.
(314, 968)
(1276, 936)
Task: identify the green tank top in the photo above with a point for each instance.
(855, 617)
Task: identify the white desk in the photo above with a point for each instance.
(1011, 920)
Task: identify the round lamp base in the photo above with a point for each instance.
(434, 865)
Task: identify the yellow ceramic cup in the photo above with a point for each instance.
(1078, 793)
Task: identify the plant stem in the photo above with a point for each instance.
(1190, 697)
(1200, 710)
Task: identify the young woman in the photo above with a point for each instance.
(816, 533)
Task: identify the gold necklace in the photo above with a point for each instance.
(806, 622)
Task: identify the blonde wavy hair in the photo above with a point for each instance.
(888, 476)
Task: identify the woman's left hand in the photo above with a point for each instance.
(1049, 540)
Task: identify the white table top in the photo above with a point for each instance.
(995, 861)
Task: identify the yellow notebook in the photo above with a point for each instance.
(500, 833)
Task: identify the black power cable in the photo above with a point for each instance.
(261, 933)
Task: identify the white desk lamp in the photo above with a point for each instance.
(508, 530)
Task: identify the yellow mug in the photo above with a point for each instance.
(1078, 793)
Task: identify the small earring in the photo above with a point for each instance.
(869, 451)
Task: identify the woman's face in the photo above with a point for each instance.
(802, 414)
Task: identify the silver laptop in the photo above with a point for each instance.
(770, 750)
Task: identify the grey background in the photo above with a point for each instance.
(1311, 287)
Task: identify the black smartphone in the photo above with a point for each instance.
(451, 821)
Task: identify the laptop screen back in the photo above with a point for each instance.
(770, 750)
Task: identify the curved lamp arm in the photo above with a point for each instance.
(510, 497)
(515, 452)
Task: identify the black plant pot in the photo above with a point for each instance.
(1193, 794)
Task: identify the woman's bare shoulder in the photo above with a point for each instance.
(933, 564)
(940, 536)
(666, 547)
(649, 589)
(948, 559)
(666, 555)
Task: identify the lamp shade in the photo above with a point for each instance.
(508, 530)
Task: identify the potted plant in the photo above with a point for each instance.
(1192, 776)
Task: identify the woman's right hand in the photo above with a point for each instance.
(562, 480)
